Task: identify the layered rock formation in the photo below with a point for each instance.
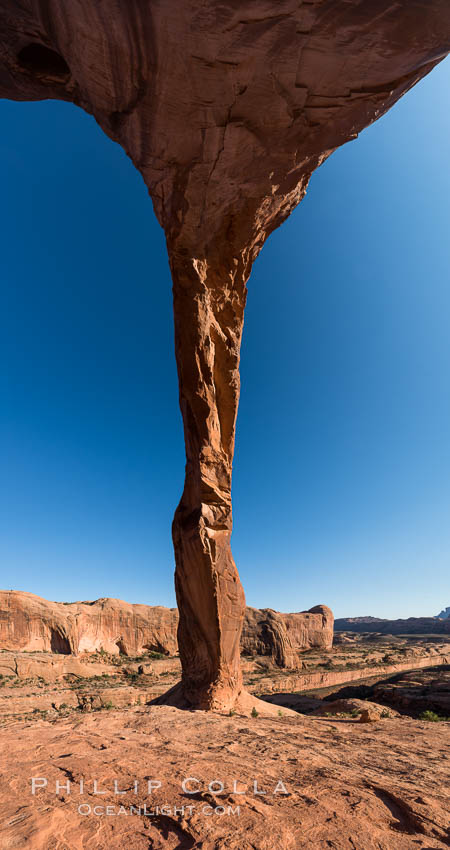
(282, 636)
(29, 623)
(416, 692)
(445, 614)
(411, 626)
(426, 687)
(226, 109)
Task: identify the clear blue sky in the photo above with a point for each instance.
(342, 469)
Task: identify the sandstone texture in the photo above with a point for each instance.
(413, 625)
(381, 785)
(226, 109)
(29, 623)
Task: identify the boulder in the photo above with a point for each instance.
(369, 715)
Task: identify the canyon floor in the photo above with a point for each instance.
(363, 764)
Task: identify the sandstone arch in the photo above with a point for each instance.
(226, 110)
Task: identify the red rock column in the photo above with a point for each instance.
(209, 313)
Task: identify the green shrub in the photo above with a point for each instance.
(255, 713)
(431, 716)
(132, 676)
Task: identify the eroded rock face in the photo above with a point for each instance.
(226, 109)
(282, 636)
(30, 623)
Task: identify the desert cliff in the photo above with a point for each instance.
(31, 624)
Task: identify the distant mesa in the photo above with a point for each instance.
(32, 624)
(411, 626)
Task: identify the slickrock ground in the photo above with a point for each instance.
(361, 786)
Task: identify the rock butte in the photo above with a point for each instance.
(226, 109)
(31, 624)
